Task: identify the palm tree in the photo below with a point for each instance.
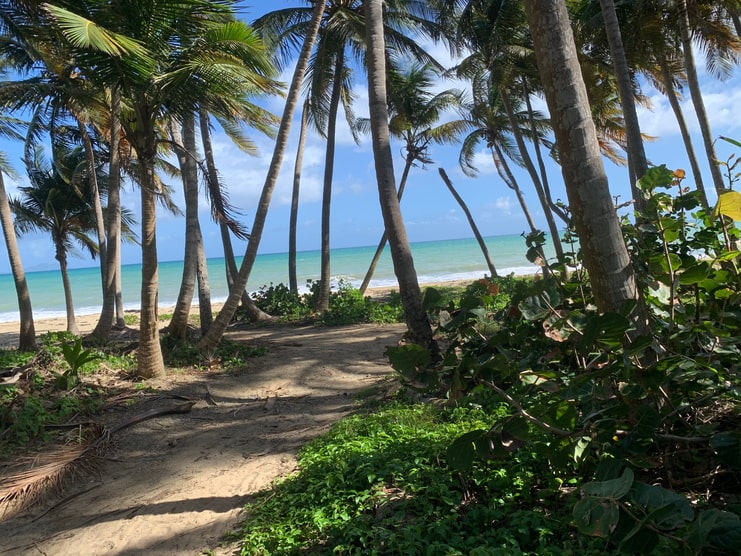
(293, 219)
(415, 114)
(52, 204)
(163, 71)
(401, 254)
(212, 338)
(606, 256)
(330, 76)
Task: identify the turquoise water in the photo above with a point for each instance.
(435, 261)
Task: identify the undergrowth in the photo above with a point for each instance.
(381, 483)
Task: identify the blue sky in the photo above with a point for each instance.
(429, 210)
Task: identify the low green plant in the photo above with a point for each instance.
(380, 483)
(131, 319)
(662, 407)
(75, 356)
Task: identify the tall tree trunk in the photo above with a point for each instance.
(149, 355)
(27, 333)
(636, 153)
(471, 221)
(605, 254)
(539, 155)
(322, 302)
(693, 83)
(504, 171)
(211, 339)
(667, 80)
(186, 153)
(530, 167)
(205, 311)
(254, 313)
(95, 197)
(61, 256)
(112, 272)
(401, 253)
(293, 219)
(384, 237)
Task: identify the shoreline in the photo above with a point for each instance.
(86, 323)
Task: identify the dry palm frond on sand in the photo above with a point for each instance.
(33, 477)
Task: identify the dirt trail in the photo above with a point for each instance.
(174, 485)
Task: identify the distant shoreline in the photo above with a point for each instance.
(86, 323)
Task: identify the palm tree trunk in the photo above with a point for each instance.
(112, 286)
(186, 153)
(530, 167)
(205, 311)
(322, 302)
(254, 313)
(636, 153)
(69, 305)
(149, 355)
(605, 254)
(504, 171)
(401, 253)
(539, 156)
(667, 79)
(27, 335)
(211, 339)
(384, 236)
(694, 85)
(472, 223)
(95, 197)
(293, 219)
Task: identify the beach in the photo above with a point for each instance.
(86, 323)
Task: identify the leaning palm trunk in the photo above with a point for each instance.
(694, 85)
(667, 80)
(401, 253)
(211, 339)
(254, 313)
(530, 167)
(324, 282)
(471, 221)
(636, 154)
(92, 177)
(27, 336)
(205, 311)
(112, 274)
(186, 152)
(293, 219)
(605, 254)
(384, 236)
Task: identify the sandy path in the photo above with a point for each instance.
(175, 484)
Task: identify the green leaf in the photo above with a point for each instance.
(727, 446)
(609, 328)
(668, 510)
(468, 448)
(719, 529)
(408, 358)
(613, 489)
(537, 307)
(596, 517)
(694, 274)
(431, 298)
(658, 176)
(731, 141)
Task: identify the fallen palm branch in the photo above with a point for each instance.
(49, 471)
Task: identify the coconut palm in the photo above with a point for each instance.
(52, 204)
(162, 69)
(211, 339)
(415, 114)
(293, 218)
(342, 38)
(27, 333)
(401, 254)
(606, 256)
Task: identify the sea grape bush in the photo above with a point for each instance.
(648, 425)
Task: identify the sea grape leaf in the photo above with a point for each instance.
(409, 358)
(468, 448)
(727, 446)
(694, 274)
(667, 509)
(596, 517)
(608, 328)
(717, 528)
(729, 204)
(614, 488)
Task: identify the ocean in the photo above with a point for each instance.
(435, 261)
